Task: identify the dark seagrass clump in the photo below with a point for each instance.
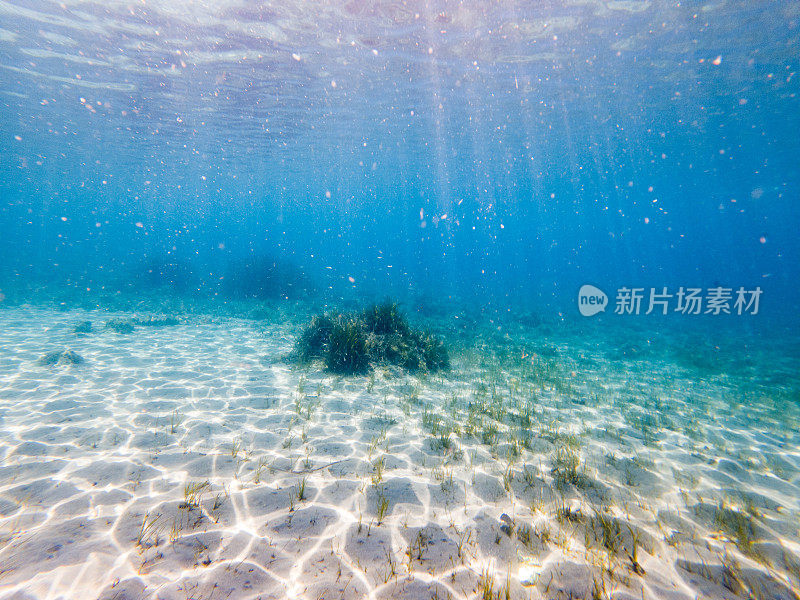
(351, 344)
(123, 326)
(156, 321)
(346, 351)
(83, 328)
(314, 339)
(60, 357)
(385, 319)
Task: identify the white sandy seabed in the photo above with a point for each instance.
(189, 461)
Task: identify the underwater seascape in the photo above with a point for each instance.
(400, 299)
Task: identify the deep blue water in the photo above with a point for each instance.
(505, 153)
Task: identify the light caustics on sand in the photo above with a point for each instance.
(191, 460)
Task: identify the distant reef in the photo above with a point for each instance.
(266, 277)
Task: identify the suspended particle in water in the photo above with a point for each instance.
(763, 239)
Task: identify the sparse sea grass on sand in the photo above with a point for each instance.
(399, 488)
(741, 526)
(192, 494)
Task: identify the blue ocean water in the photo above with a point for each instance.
(584, 215)
(501, 154)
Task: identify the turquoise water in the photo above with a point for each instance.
(587, 215)
(506, 154)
